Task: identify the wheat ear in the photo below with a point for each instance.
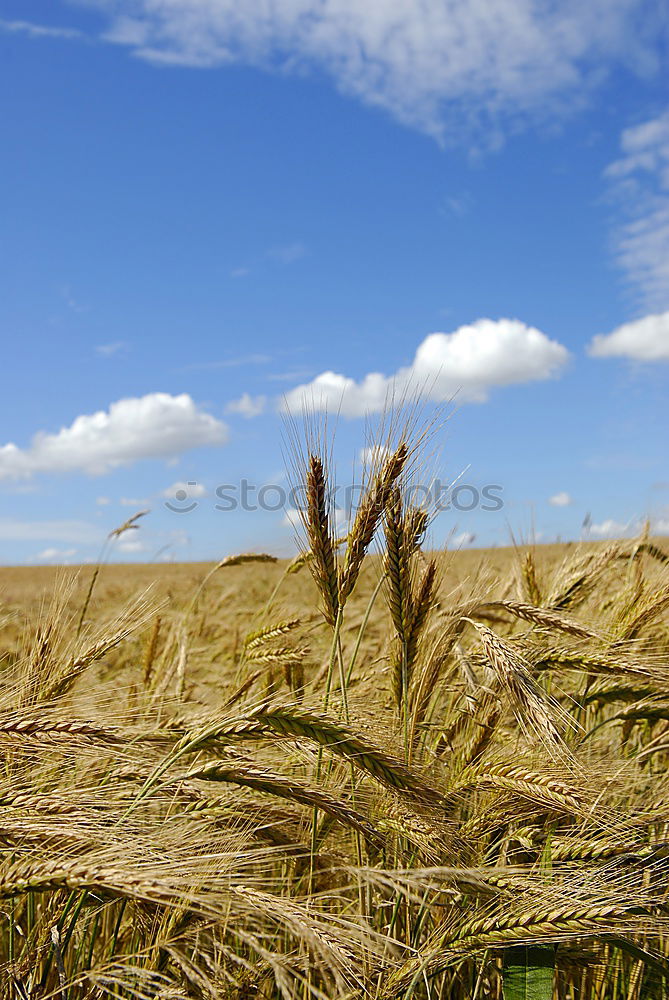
(323, 563)
(368, 517)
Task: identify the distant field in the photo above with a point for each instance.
(235, 597)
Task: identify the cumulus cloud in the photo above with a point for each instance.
(293, 518)
(644, 339)
(560, 500)
(640, 186)
(131, 545)
(469, 362)
(432, 65)
(247, 406)
(462, 540)
(154, 426)
(52, 554)
(609, 529)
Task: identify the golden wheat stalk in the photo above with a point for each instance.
(243, 558)
(292, 722)
(35, 728)
(270, 782)
(323, 562)
(532, 707)
(269, 632)
(368, 517)
(545, 617)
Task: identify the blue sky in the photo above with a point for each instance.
(210, 212)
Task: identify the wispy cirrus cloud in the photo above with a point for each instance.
(639, 182)
(116, 347)
(239, 362)
(81, 532)
(432, 65)
(32, 30)
(287, 253)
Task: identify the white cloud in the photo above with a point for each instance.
(80, 532)
(436, 65)
(103, 501)
(463, 539)
(135, 502)
(370, 457)
(247, 406)
(292, 519)
(154, 426)
(560, 500)
(644, 339)
(55, 555)
(190, 490)
(38, 30)
(640, 185)
(468, 362)
(131, 545)
(609, 529)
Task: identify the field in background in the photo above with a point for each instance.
(234, 602)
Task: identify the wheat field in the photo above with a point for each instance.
(374, 771)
